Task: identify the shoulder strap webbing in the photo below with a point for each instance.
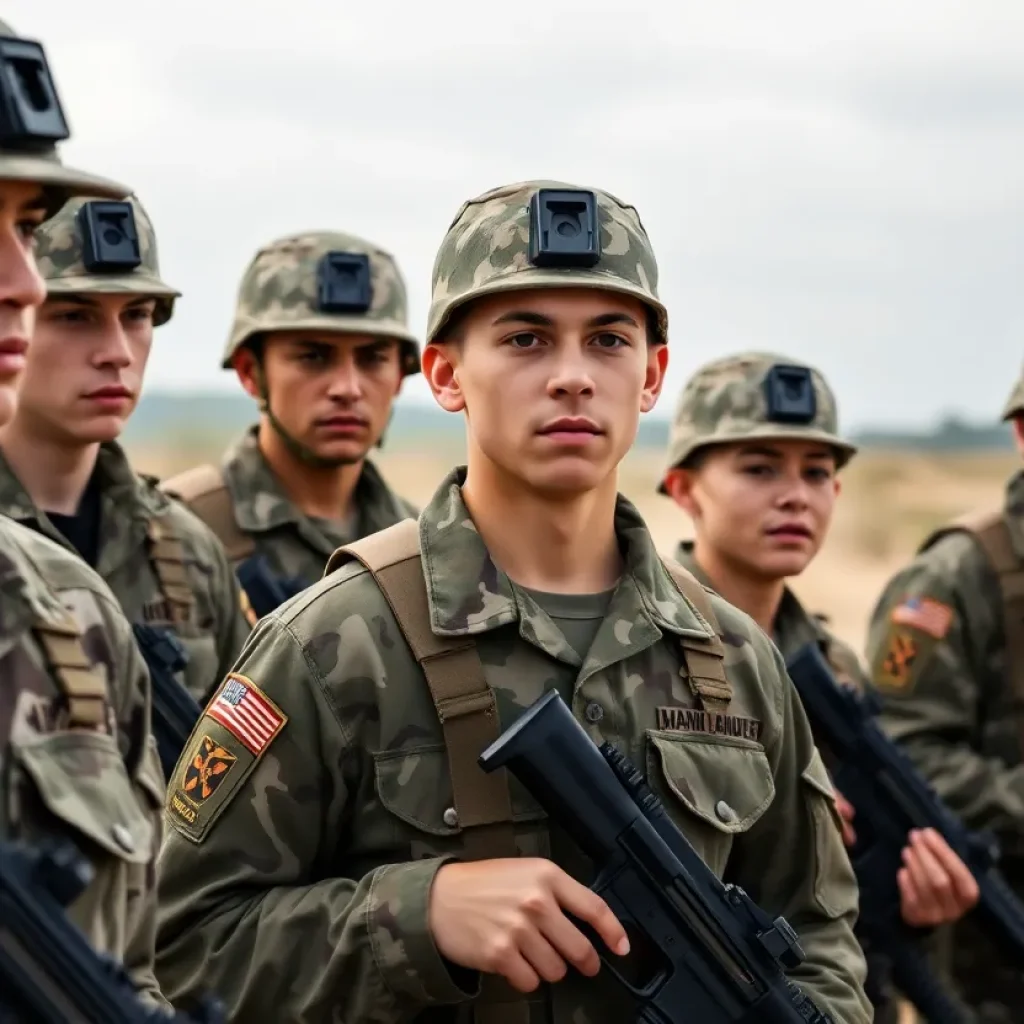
(469, 718)
(83, 686)
(703, 657)
(992, 532)
(464, 702)
(167, 555)
(205, 492)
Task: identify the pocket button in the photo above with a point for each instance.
(450, 817)
(725, 812)
(123, 838)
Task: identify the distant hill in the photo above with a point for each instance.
(165, 418)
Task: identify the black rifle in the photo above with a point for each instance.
(890, 797)
(49, 973)
(175, 710)
(709, 953)
(265, 590)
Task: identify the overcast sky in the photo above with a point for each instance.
(840, 182)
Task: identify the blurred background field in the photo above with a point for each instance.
(897, 489)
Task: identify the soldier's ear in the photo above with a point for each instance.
(246, 364)
(1018, 433)
(442, 376)
(679, 483)
(654, 378)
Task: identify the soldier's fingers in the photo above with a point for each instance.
(931, 881)
(965, 887)
(589, 907)
(516, 970)
(910, 903)
(543, 957)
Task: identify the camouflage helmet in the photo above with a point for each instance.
(753, 395)
(489, 249)
(29, 134)
(288, 287)
(65, 243)
(1015, 403)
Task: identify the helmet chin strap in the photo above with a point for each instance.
(301, 451)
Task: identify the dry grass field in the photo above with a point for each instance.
(890, 501)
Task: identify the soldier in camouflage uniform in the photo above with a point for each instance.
(761, 494)
(76, 758)
(336, 871)
(946, 650)
(63, 472)
(326, 369)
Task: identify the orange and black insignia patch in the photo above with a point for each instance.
(898, 659)
(207, 769)
(203, 774)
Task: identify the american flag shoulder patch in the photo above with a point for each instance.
(247, 713)
(924, 614)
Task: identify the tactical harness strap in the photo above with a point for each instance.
(167, 555)
(992, 532)
(466, 707)
(703, 657)
(82, 685)
(204, 491)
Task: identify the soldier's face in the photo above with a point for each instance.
(22, 210)
(85, 370)
(764, 507)
(331, 392)
(552, 382)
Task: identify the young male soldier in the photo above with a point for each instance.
(946, 648)
(76, 760)
(61, 468)
(320, 339)
(760, 488)
(341, 868)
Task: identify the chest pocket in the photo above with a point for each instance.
(712, 790)
(84, 794)
(414, 788)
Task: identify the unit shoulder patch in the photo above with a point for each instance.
(236, 730)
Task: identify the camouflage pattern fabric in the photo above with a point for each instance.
(42, 164)
(1015, 403)
(279, 293)
(300, 878)
(486, 251)
(297, 546)
(937, 650)
(100, 787)
(794, 627)
(217, 628)
(725, 401)
(60, 249)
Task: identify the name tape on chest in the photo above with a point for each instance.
(677, 719)
(247, 713)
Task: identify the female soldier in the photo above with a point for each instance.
(760, 489)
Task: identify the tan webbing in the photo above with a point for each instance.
(992, 532)
(167, 555)
(83, 686)
(466, 707)
(703, 658)
(204, 491)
